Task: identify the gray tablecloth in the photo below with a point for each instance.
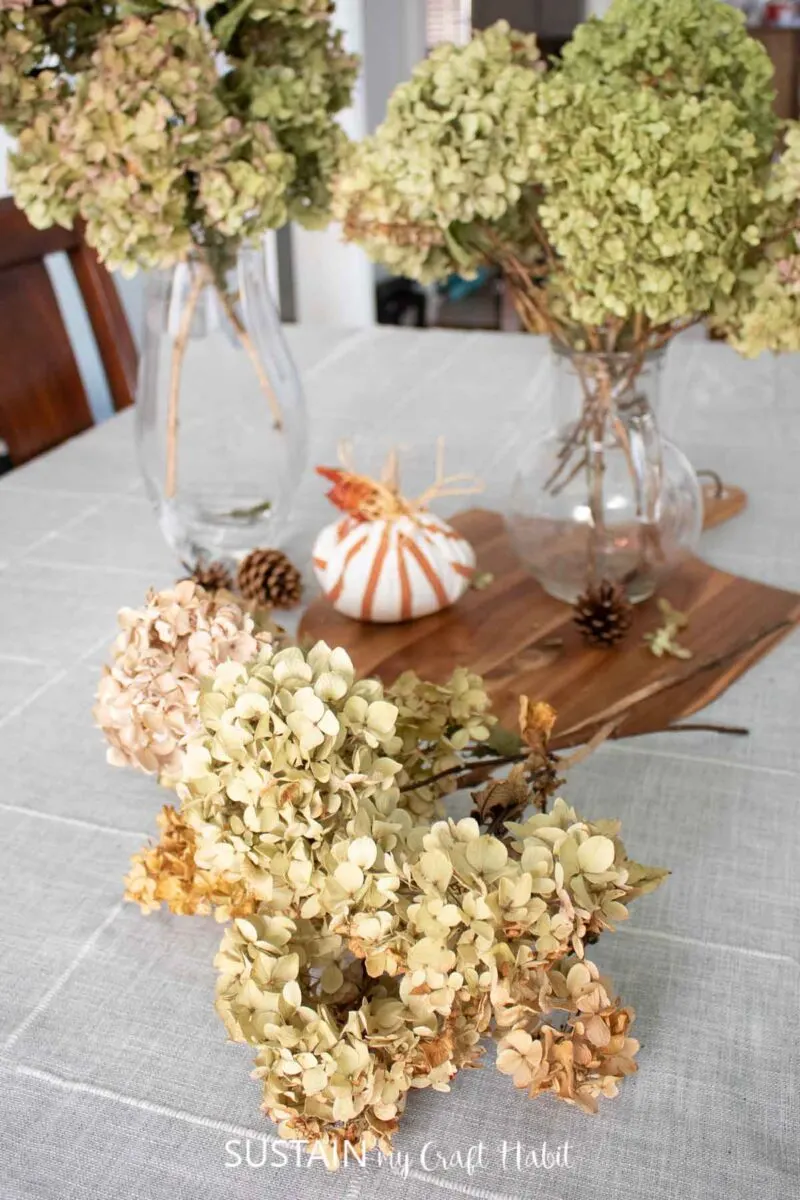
(115, 1077)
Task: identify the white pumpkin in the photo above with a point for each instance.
(392, 568)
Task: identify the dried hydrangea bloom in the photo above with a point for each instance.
(370, 950)
(25, 89)
(454, 149)
(681, 47)
(131, 178)
(383, 947)
(167, 874)
(763, 312)
(635, 189)
(436, 722)
(393, 986)
(290, 68)
(337, 1052)
(292, 748)
(147, 699)
(126, 120)
(583, 1060)
(666, 108)
(655, 210)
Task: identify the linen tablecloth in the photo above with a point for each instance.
(115, 1077)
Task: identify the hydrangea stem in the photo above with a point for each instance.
(595, 471)
(202, 275)
(199, 279)
(252, 354)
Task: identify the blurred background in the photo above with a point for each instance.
(317, 280)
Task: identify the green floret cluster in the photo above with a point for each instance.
(654, 141)
(656, 205)
(172, 127)
(763, 312)
(455, 150)
(682, 48)
(626, 192)
(386, 943)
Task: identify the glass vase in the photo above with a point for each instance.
(605, 497)
(220, 411)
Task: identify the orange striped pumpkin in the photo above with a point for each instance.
(392, 568)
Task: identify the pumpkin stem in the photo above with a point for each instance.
(369, 499)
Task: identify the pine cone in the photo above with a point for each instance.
(603, 614)
(213, 576)
(268, 577)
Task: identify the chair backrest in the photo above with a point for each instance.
(42, 399)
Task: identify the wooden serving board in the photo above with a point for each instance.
(506, 632)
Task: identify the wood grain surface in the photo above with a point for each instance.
(523, 642)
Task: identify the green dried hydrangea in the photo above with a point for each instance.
(682, 48)
(293, 744)
(383, 946)
(455, 149)
(666, 109)
(436, 723)
(126, 121)
(654, 209)
(291, 70)
(631, 178)
(763, 312)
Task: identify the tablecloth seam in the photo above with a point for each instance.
(91, 510)
(75, 821)
(77, 1086)
(62, 980)
(466, 1189)
(703, 759)
(24, 659)
(149, 1106)
(52, 493)
(340, 350)
(106, 568)
(682, 940)
(54, 680)
(20, 708)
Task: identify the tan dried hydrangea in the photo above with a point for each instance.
(124, 148)
(584, 1060)
(147, 699)
(167, 874)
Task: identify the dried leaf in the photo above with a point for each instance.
(536, 721)
(508, 796)
(664, 640)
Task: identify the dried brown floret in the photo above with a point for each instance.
(167, 874)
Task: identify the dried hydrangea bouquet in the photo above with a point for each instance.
(179, 133)
(626, 192)
(371, 942)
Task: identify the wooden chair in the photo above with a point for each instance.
(42, 398)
